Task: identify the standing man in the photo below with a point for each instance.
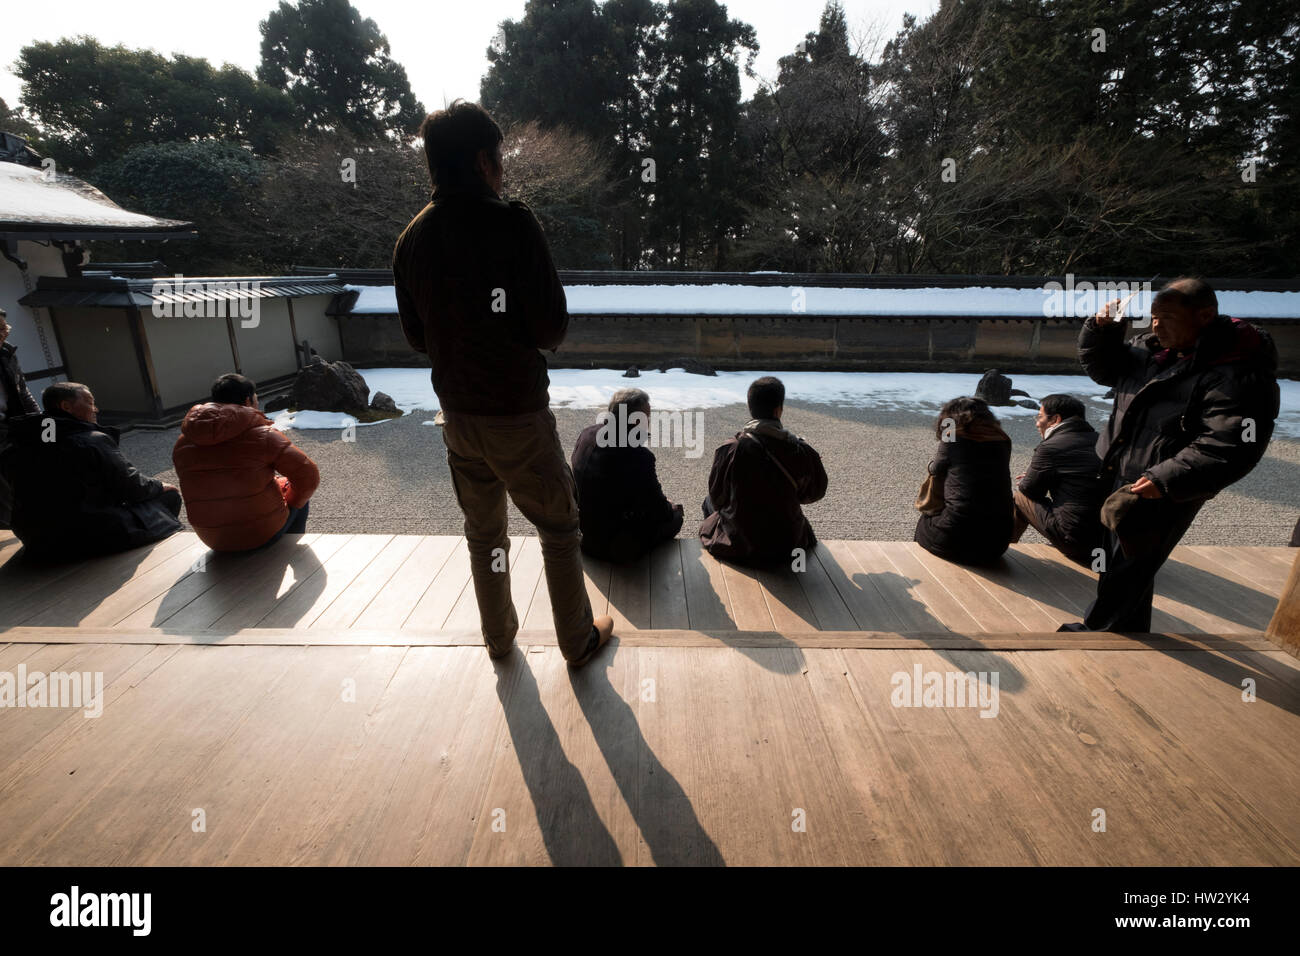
(478, 293)
(15, 400)
(1059, 493)
(1195, 403)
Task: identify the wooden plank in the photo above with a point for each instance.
(304, 809)
(668, 608)
(975, 779)
(105, 663)
(80, 808)
(237, 577)
(300, 576)
(303, 604)
(313, 688)
(360, 594)
(748, 605)
(268, 636)
(1011, 588)
(936, 600)
(84, 584)
(989, 612)
(1258, 564)
(786, 601)
(823, 597)
(870, 610)
(1234, 593)
(23, 764)
(629, 595)
(403, 591)
(1161, 802)
(1252, 748)
(551, 796)
(10, 546)
(708, 602)
(464, 614)
(444, 591)
(142, 589)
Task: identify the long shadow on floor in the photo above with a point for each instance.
(571, 828)
(222, 593)
(917, 614)
(660, 806)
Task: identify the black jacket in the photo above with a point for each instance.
(621, 505)
(975, 524)
(759, 479)
(1064, 468)
(17, 396)
(77, 496)
(478, 293)
(1182, 422)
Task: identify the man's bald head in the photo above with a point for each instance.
(1180, 311)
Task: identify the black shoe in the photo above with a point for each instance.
(1073, 626)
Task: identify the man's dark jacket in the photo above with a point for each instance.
(77, 496)
(1182, 421)
(478, 293)
(621, 505)
(756, 517)
(17, 395)
(1065, 467)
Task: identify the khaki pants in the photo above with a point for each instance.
(490, 456)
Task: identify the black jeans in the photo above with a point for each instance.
(1126, 588)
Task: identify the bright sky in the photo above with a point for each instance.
(442, 43)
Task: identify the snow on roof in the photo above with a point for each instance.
(781, 300)
(33, 198)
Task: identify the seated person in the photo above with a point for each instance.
(1060, 494)
(759, 479)
(621, 507)
(15, 400)
(972, 473)
(227, 458)
(75, 496)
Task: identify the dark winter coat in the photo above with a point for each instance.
(757, 518)
(478, 293)
(18, 397)
(621, 506)
(1065, 468)
(975, 525)
(77, 496)
(1181, 421)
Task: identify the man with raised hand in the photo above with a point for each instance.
(478, 294)
(1195, 402)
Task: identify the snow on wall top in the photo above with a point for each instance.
(27, 197)
(778, 300)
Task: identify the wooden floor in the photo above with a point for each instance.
(329, 701)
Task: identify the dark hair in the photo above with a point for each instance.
(452, 140)
(233, 389)
(765, 396)
(1190, 292)
(968, 414)
(59, 392)
(1067, 406)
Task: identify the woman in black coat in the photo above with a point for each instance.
(972, 469)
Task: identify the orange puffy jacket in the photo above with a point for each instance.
(227, 457)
